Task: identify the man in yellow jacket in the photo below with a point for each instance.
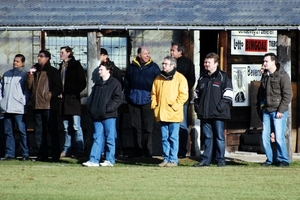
(169, 93)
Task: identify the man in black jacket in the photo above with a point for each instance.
(74, 82)
(102, 105)
(212, 100)
(187, 68)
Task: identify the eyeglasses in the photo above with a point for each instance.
(41, 56)
(165, 64)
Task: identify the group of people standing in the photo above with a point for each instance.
(164, 95)
(51, 92)
(152, 93)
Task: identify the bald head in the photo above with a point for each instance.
(143, 54)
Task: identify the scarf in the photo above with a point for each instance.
(63, 72)
(168, 75)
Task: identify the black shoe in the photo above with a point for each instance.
(41, 159)
(55, 160)
(25, 158)
(221, 164)
(7, 158)
(138, 155)
(181, 156)
(147, 155)
(80, 155)
(283, 164)
(200, 164)
(266, 164)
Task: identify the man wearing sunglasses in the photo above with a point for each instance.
(44, 82)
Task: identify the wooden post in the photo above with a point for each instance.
(223, 48)
(223, 43)
(194, 123)
(188, 43)
(92, 62)
(284, 58)
(298, 96)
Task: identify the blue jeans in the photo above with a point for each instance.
(104, 135)
(213, 130)
(72, 125)
(269, 119)
(9, 121)
(170, 137)
(183, 132)
(43, 119)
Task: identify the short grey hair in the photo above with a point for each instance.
(172, 60)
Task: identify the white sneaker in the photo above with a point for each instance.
(106, 163)
(90, 164)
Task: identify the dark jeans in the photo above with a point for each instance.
(183, 132)
(2, 137)
(213, 130)
(43, 119)
(142, 119)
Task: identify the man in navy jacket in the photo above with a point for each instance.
(138, 81)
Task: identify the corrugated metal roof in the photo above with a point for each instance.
(149, 13)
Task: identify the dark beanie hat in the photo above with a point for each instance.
(103, 51)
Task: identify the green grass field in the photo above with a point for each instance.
(141, 179)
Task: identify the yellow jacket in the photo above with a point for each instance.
(168, 97)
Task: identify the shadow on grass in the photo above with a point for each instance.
(142, 161)
(187, 162)
(229, 161)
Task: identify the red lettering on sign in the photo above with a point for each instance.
(256, 45)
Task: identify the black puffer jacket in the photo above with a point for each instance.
(105, 99)
(213, 96)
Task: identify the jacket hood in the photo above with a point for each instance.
(136, 61)
(19, 69)
(279, 69)
(100, 81)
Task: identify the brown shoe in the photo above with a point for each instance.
(163, 164)
(64, 154)
(171, 164)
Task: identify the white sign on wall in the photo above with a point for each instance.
(247, 42)
(242, 75)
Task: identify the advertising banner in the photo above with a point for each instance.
(253, 42)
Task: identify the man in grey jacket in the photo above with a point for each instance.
(13, 99)
(274, 95)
